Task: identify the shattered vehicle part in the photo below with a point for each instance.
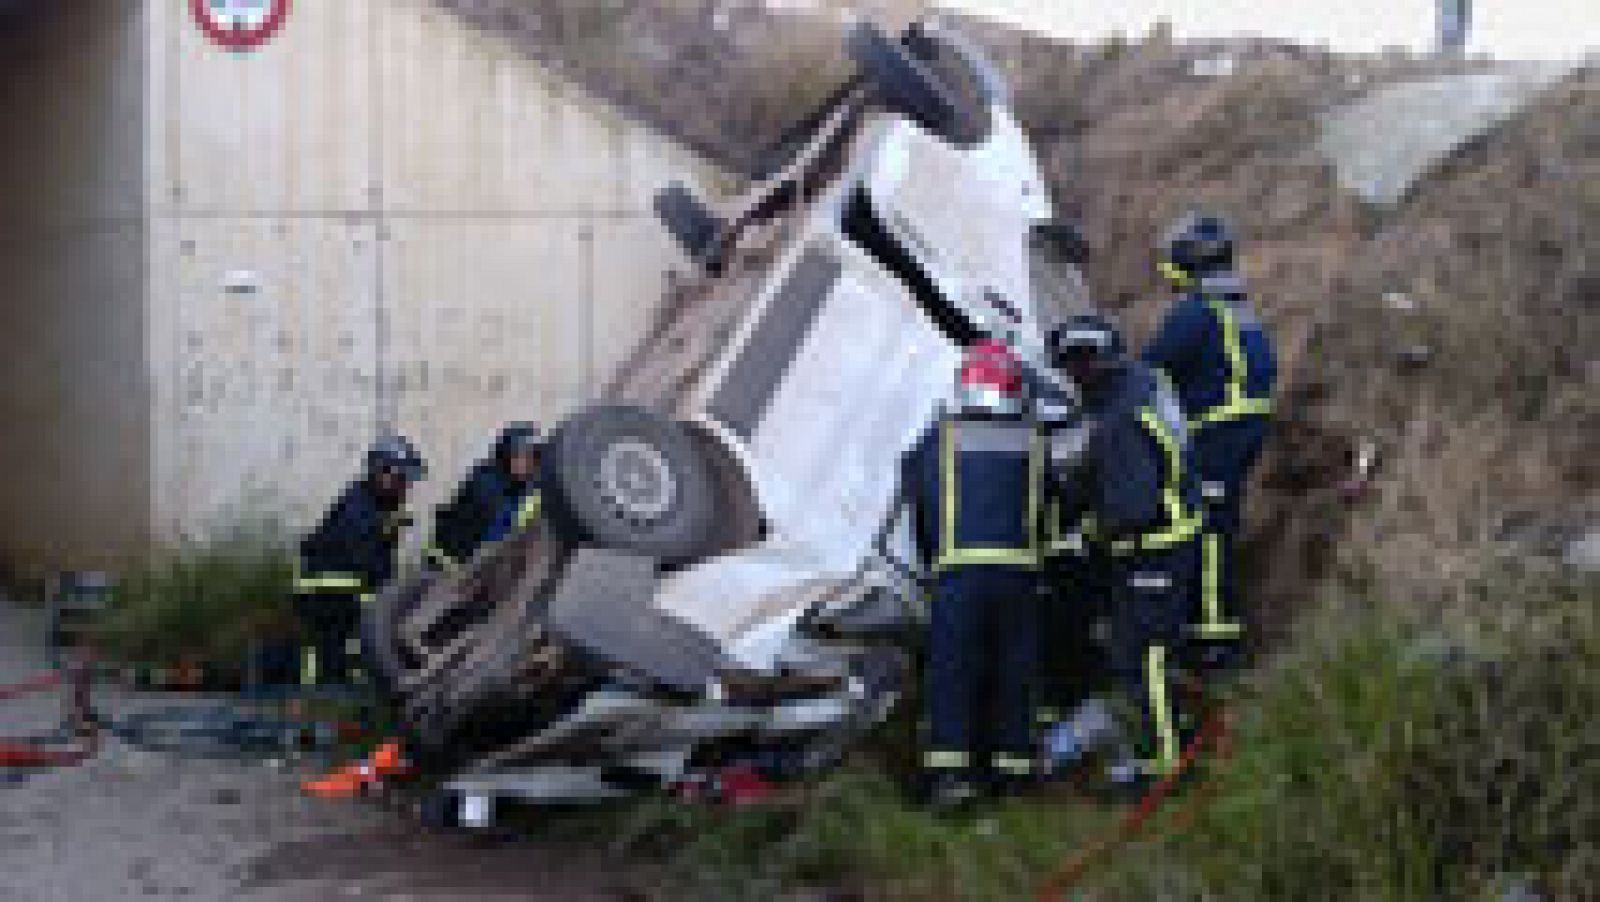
(724, 552)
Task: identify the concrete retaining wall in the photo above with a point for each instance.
(380, 218)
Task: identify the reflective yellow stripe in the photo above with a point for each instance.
(1236, 404)
(938, 760)
(1213, 626)
(1036, 453)
(1181, 524)
(1160, 710)
(1057, 540)
(368, 597)
(1175, 274)
(530, 509)
(1211, 579)
(947, 478)
(994, 557)
(950, 555)
(308, 666)
(1015, 765)
(326, 582)
(1236, 409)
(1072, 544)
(331, 583)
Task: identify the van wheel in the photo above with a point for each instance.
(625, 478)
(912, 88)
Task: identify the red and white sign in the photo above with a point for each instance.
(240, 24)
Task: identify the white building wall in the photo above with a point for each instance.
(380, 217)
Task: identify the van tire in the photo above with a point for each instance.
(625, 478)
(908, 86)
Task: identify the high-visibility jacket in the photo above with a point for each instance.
(976, 484)
(1069, 531)
(487, 507)
(351, 552)
(1217, 354)
(1140, 489)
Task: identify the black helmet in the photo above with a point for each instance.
(516, 438)
(1196, 246)
(394, 453)
(1086, 337)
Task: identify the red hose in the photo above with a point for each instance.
(26, 755)
(35, 755)
(1213, 732)
(28, 687)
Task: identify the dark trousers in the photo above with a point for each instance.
(276, 663)
(331, 621)
(1224, 454)
(982, 651)
(1150, 594)
(1073, 600)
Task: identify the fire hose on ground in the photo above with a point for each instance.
(79, 726)
(215, 730)
(1213, 736)
(192, 730)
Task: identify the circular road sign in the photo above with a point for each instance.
(240, 24)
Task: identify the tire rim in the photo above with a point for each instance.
(636, 481)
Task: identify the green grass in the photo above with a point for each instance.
(1393, 754)
(1398, 755)
(855, 831)
(205, 602)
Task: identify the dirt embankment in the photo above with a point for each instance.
(1454, 332)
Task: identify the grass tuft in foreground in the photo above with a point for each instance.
(1391, 754)
(203, 602)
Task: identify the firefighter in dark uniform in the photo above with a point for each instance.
(350, 556)
(975, 482)
(499, 496)
(1134, 482)
(1072, 594)
(1220, 360)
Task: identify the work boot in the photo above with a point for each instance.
(1011, 775)
(950, 792)
(1090, 727)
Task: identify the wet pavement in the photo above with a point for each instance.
(136, 824)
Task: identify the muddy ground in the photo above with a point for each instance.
(133, 824)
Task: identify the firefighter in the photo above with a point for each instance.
(1135, 484)
(1072, 593)
(499, 496)
(975, 482)
(350, 556)
(1213, 348)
